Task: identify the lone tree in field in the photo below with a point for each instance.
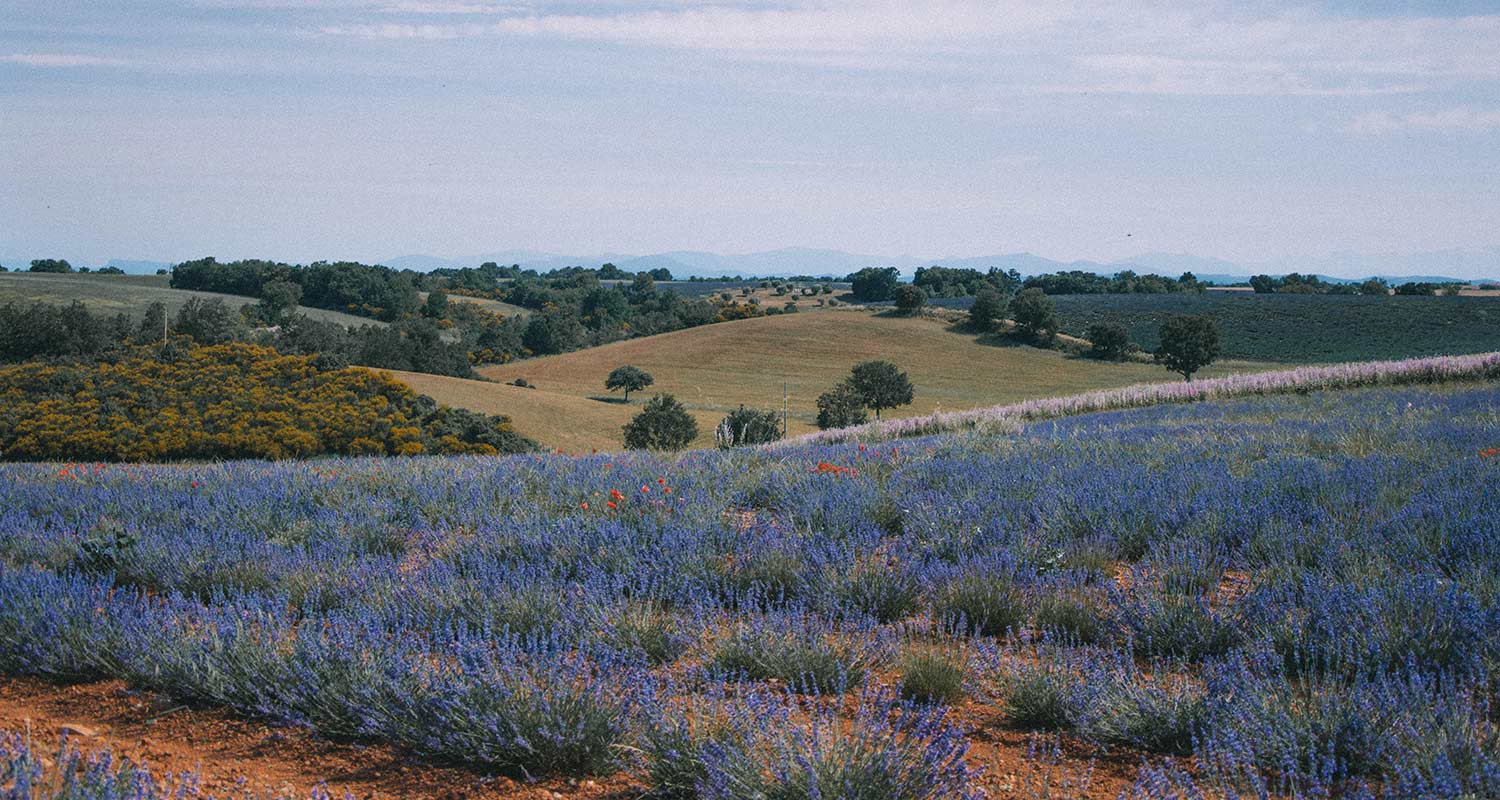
(631, 379)
(662, 425)
(1110, 341)
(841, 407)
(880, 384)
(989, 308)
(910, 299)
(1035, 314)
(747, 426)
(1188, 344)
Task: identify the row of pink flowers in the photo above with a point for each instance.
(1436, 369)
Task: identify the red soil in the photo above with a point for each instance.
(233, 752)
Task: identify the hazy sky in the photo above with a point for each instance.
(368, 129)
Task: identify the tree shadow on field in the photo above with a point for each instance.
(1003, 340)
(616, 401)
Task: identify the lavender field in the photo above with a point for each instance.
(1290, 596)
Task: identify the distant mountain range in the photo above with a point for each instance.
(1434, 266)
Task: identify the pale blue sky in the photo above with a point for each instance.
(367, 129)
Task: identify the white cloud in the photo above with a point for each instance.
(1150, 47)
(842, 28)
(62, 60)
(1452, 120)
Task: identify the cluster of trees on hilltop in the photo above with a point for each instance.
(361, 289)
(227, 401)
(573, 307)
(73, 332)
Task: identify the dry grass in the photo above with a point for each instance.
(128, 294)
(492, 306)
(713, 369)
(559, 421)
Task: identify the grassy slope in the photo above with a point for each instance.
(559, 421)
(128, 294)
(714, 368)
(492, 306)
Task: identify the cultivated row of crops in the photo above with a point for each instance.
(1010, 418)
(1295, 595)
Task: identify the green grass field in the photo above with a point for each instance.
(715, 368)
(128, 294)
(1293, 328)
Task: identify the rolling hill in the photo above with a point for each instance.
(492, 306)
(129, 294)
(715, 368)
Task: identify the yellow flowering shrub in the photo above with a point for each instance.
(227, 401)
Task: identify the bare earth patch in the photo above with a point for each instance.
(232, 753)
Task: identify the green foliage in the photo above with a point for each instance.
(628, 378)
(1417, 288)
(227, 401)
(841, 407)
(748, 426)
(1188, 344)
(1070, 614)
(50, 265)
(209, 322)
(1037, 696)
(553, 330)
(874, 283)
(951, 282)
(880, 385)
(1109, 341)
(1123, 282)
(436, 304)
(1035, 314)
(663, 424)
(808, 659)
(989, 308)
(48, 331)
(650, 630)
(989, 605)
(910, 299)
(932, 678)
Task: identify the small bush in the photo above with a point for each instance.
(932, 678)
(985, 604)
(664, 424)
(890, 751)
(809, 659)
(650, 630)
(1160, 715)
(748, 426)
(1038, 696)
(887, 593)
(1181, 627)
(1070, 614)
